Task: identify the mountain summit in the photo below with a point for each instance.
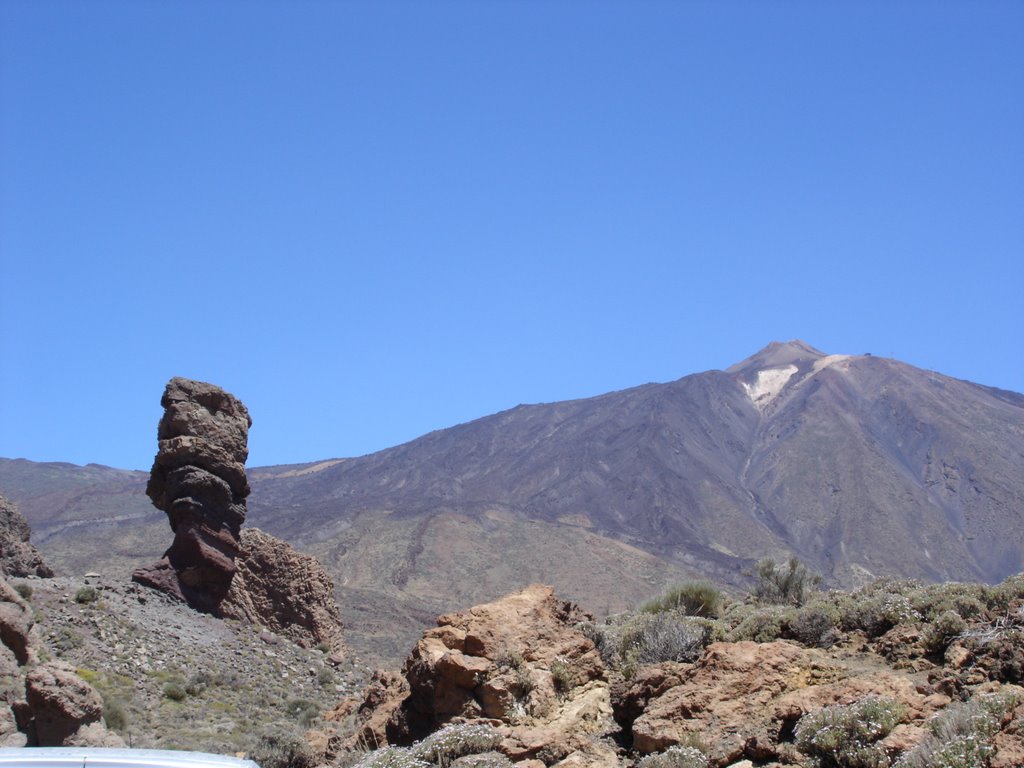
(778, 355)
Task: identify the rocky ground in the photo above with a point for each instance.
(896, 674)
(171, 677)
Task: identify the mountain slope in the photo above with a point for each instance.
(856, 463)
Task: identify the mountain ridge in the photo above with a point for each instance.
(860, 465)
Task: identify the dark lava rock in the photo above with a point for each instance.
(198, 479)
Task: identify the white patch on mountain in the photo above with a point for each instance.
(768, 384)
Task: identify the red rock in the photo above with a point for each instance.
(286, 591)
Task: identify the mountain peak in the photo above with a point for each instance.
(778, 354)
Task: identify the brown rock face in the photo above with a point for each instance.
(284, 590)
(16, 622)
(740, 697)
(61, 703)
(198, 479)
(519, 661)
(17, 556)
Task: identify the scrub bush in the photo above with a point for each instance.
(814, 625)
(846, 736)
(454, 741)
(692, 598)
(763, 625)
(651, 639)
(675, 757)
(962, 735)
(789, 584)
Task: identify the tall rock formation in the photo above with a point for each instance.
(198, 479)
(17, 556)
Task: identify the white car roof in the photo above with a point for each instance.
(89, 757)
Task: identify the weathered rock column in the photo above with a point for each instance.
(198, 479)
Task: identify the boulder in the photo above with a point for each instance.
(66, 710)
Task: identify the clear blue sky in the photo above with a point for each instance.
(370, 220)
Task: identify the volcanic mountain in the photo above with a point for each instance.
(861, 466)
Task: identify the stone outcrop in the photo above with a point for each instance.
(52, 706)
(522, 665)
(742, 700)
(198, 479)
(16, 631)
(285, 591)
(17, 555)
(520, 662)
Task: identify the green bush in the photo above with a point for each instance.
(693, 598)
(116, 692)
(675, 757)
(999, 597)
(86, 595)
(846, 736)
(389, 757)
(814, 625)
(784, 585)
(174, 691)
(198, 682)
(115, 715)
(932, 600)
(763, 625)
(522, 682)
(23, 589)
(607, 638)
(875, 612)
(483, 760)
(283, 749)
(509, 660)
(943, 630)
(563, 677)
(64, 639)
(302, 711)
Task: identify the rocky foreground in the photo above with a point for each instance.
(895, 674)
